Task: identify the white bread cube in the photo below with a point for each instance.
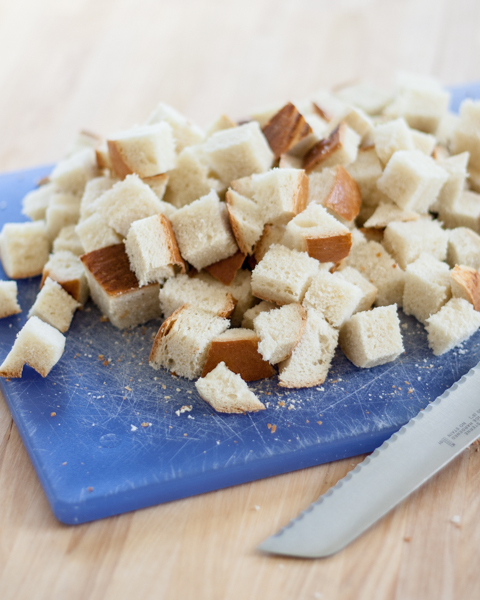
(425, 142)
(406, 241)
(359, 121)
(238, 152)
(340, 148)
(115, 289)
(246, 220)
(71, 174)
(66, 268)
(158, 184)
(227, 392)
(319, 234)
(152, 250)
(335, 189)
(446, 129)
(310, 361)
(451, 325)
(368, 290)
(35, 203)
(128, 201)
(366, 171)
(94, 233)
(8, 299)
(185, 132)
(146, 151)
(466, 137)
(68, 239)
(328, 105)
(38, 345)
(373, 337)
(63, 210)
(421, 106)
(412, 180)
(285, 129)
(54, 306)
(463, 248)
(263, 114)
(465, 283)
(386, 212)
(272, 234)
(427, 287)
(464, 213)
(24, 249)
(333, 296)
(280, 330)
(83, 139)
(93, 190)
(456, 167)
(219, 124)
(251, 313)
(366, 96)
(283, 275)
(203, 231)
(390, 137)
(182, 342)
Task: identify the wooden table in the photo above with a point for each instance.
(103, 65)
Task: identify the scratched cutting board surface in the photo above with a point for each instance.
(108, 434)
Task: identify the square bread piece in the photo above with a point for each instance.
(427, 287)
(147, 150)
(203, 231)
(63, 210)
(8, 299)
(71, 174)
(38, 345)
(35, 203)
(227, 392)
(68, 240)
(279, 331)
(94, 233)
(158, 184)
(182, 342)
(238, 152)
(373, 337)
(464, 213)
(246, 220)
(337, 191)
(152, 250)
(283, 275)
(115, 289)
(286, 129)
(390, 137)
(406, 241)
(366, 171)
(310, 361)
(465, 283)
(339, 148)
(93, 190)
(333, 296)
(238, 349)
(421, 106)
(66, 268)
(456, 167)
(24, 249)
(367, 289)
(185, 132)
(54, 306)
(454, 323)
(272, 234)
(412, 180)
(463, 248)
(466, 136)
(251, 313)
(319, 234)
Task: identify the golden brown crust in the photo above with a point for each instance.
(235, 225)
(164, 330)
(300, 199)
(469, 281)
(103, 158)
(117, 161)
(344, 197)
(156, 179)
(226, 269)
(373, 234)
(324, 149)
(285, 129)
(175, 256)
(321, 112)
(13, 372)
(241, 356)
(230, 304)
(329, 249)
(72, 286)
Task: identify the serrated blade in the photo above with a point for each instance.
(397, 468)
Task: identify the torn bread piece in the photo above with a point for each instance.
(185, 132)
(225, 270)
(94, 233)
(68, 239)
(38, 344)
(71, 174)
(390, 137)
(54, 306)
(464, 213)
(115, 288)
(340, 148)
(336, 190)
(279, 331)
(453, 324)
(8, 299)
(463, 248)
(251, 313)
(93, 190)
(373, 337)
(310, 361)
(465, 283)
(238, 349)
(456, 167)
(227, 392)
(66, 268)
(35, 203)
(407, 241)
(386, 212)
(367, 289)
(272, 234)
(24, 249)
(285, 129)
(182, 342)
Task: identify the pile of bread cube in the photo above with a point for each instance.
(264, 244)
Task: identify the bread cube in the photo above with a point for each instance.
(63, 210)
(227, 392)
(225, 270)
(406, 241)
(446, 129)
(465, 283)
(425, 142)
(38, 344)
(128, 201)
(366, 96)
(83, 139)
(283, 275)
(422, 106)
(66, 268)
(466, 137)
(427, 287)
(279, 331)
(328, 105)
(146, 151)
(71, 174)
(8, 299)
(203, 231)
(310, 361)
(158, 184)
(319, 234)
(219, 124)
(367, 290)
(93, 190)
(35, 203)
(465, 212)
(94, 233)
(285, 129)
(238, 349)
(272, 234)
(340, 148)
(115, 288)
(185, 132)
(238, 152)
(335, 189)
(456, 167)
(463, 248)
(387, 212)
(246, 220)
(359, 121)
(474, 180)
(182, 342)
(54, 306)
(453, 324)
(412, 180)
(68, 240)
(390, 137)
(333, 296)
(366, 171)
(24, 249)
(373, 337)
(251, 313)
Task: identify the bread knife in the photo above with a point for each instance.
(398, 467)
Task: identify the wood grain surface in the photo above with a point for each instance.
(103, 65)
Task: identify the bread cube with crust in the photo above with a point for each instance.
(251, 313)
(147, 150)
(246, 220)
(407, 241)
(94, 233)
(465, 212)
(366, 171)
(285, 129)
(35, 203)
(39, 345)
(390, 137)
(227, 392)
(359, 121)
(466, 136)
(272, 234)
(158, 184)
(190, 179)
(83, 139)
(68, 239)
(185, 133)
(319, 130)
(335, 189)
(463, 248)
(279, 331)
(456, 167)
(368, 290)
(219, 124)
(66, 268)
(226, 269)
(465, 283)
(24, 249)
(71, 174)
(54, 306)
(8, 299)
(422, 106)
(453, 324)
(425, 142)
(339, 148)
(93, 190)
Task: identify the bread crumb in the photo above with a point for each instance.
(90, 489)
(145, 424)
(273, 429)
(319, 422)
(128, 388)
(133, 428)
(63, 464)
(53, 414)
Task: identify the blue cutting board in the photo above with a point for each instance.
(108, 439)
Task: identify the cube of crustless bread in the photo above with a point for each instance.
(367, 289)
(285, 129)
(466, 137)
(227, 392)
(340, 148)
(71, 174)
(182, 342)
(406, 241)
(451, 325)
(463, 248)
(238, 349)
(465, 212)
(38, 345)
(8, 299)
(250, 314)
(373, 337)
(68, 239)
(54, 306)
(366, 171)
(93, 190)
(35, 203)
(422, 107)
(94, 233)
(456, 167)
(185, 132)
(63, 210)
(335, 189)
(272, 234)
(465, 283)
(280, 330)
(390, 137)
(24, 249)
(386, 212)
(66, 268)
(115, 288)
